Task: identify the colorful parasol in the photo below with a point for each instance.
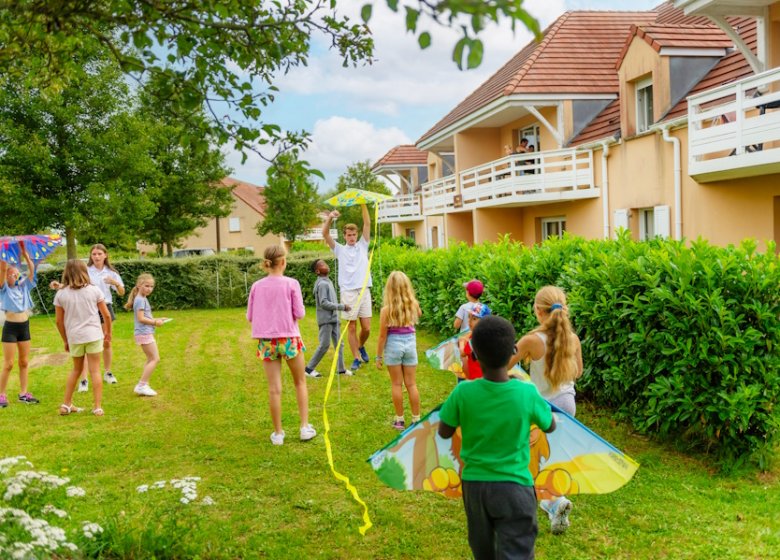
(38, 247)
(353, 197)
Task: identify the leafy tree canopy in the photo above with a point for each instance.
(198, 53)
(292, 201)
(359, 176)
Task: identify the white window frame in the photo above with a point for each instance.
(234, 225)
(644, 110)
(646, 223)
(620, 221)
(662, 218)
(559, 221)
(532, 134)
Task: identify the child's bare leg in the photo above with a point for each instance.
(9, 353)
(84, 371)
(273, 372)
(397, 380)
(24, 365)
(108, 355)
(93, 363)
(411, 387)
(296, 366)
(73, 378)
(152, 359)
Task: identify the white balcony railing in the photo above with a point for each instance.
(315, 234)
(439, 195)
(401, 208)
(734, 130)
(538, 177)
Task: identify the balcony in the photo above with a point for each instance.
(439, 196)
(734, 130)
(524, 179)
(315, 234)
(402, 208)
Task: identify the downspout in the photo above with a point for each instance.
(677, 180)
(605, 186)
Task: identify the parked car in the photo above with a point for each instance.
(179, 253)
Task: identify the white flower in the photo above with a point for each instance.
(48, 508)
(75, 492)
(207, 501)
(159, 484)
(185, 501)
(91, 529)
(143, 488)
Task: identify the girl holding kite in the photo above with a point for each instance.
(15, 300)
(555, 356)
(397, 344)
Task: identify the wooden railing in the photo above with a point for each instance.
(438, 195)
(734, 129)
(402, 207)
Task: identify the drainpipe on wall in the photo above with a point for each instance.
(677, 180)
(605, 186)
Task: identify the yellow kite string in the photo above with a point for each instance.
(328, 447)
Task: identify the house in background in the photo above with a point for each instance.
(665, 122)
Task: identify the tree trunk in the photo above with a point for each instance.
(70, 242)
(169, 248)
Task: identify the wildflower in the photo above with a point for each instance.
(91, 530)
(48, 508)
(207, 501)
(75, 492)
(143, 488)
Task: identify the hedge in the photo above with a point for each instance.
(681, 339)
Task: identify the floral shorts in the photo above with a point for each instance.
(270, 349)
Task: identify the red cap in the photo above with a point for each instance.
(474, 288)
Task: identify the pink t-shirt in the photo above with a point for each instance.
(82, 323)
(274, 307)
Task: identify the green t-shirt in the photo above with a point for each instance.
(495, 421)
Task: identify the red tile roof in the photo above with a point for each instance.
(577, 55)
(405, 155)
(251, 195)
(678, 36)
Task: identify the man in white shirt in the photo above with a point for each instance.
(352, 274)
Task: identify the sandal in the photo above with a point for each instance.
(97, 412)
(69, 409)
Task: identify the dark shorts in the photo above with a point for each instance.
(16, 332)
(110, 312)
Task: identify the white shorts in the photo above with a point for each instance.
(357, 309)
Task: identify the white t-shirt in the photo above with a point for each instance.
(463, 314)
(97, 277)
(537, 375)
(82, 323)
(353, 264)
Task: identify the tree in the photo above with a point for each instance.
(359, 176)
(71, 159)
(291, 199)
(201, 52)
(184, 186)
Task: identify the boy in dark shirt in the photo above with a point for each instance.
(327, 318)
(495, 415)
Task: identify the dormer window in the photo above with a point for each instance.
(644, 105)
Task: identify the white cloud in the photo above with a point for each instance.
(338, 142)
(252, 171)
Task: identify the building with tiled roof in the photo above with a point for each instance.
(661, 122)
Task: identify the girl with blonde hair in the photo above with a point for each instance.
(397, 344)
(76, 307)
(555, 355)
(143, 330)
(274, 308)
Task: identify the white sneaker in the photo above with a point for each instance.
(83, 386)
(109, 378)
(307, 432)
(144, 391)
(313, 373)
(559, 516)
(346, 372)
(277, 439)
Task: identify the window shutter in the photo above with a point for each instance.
(662, 221)
(621, 220)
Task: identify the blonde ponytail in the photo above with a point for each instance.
(560, 363)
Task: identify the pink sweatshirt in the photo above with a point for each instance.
(274, 307)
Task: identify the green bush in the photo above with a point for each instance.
(682, 340)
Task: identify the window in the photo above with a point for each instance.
(553, 227)
(654, 222)
(234, 225)
(410, 233)
(422, 174)
(646, 224)
(644, 105)
(531, 134)
(448, 164)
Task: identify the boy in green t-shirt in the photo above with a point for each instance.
(495, 415)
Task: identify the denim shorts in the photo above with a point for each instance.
(401, 349)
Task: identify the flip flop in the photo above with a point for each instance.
(98, 412)
(69, 409)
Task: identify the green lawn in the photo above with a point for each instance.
(211, 420)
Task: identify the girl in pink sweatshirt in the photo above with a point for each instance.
(275, 305)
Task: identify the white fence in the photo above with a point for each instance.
(400, 208)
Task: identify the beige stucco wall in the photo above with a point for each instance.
(583, 218)
(434, 166)
(492, 223)
(642, 61)
(400, 229)
(460, 227)
(476, 146)
(435, 222)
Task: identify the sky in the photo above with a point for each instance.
(359, 114)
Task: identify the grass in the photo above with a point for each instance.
(211, 420)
